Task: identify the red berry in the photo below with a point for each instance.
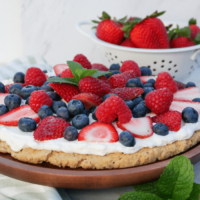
(99, 67)
(130, 65)
(127, 43)
(7, 87)
(112, 108)
(180, 42)
(172, 119)
(81, 59)
(66, 73)
(35, 76)
(194, 30)
(59, 68)
(159, 101)
(38, 99)
(93, 85)
(65, 90)
(179, 85)
(144, 79)
(164, 80)
(50, 127)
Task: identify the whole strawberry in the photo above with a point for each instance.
(130, 65)
(109, 30)
(127, 43)
(81, 59)
(35, 76)
(181, 42)
(194, 28)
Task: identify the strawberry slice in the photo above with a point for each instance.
(59, 68)
(88, 99)
(2, 97)
(7, 87)
(144, 79)
(98, 132)
(12, 117)
(187, 94)
(138, 127)
(180, 105)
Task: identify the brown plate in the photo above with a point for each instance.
(49, 175)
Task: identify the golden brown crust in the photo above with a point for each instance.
(109, 161)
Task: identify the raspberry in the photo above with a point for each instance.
(112, 108)
(159, 101)
(99, 67)
(35, 76)
(119, 80)
(66, 73)
(105, 80)
(65, 90)
(50, 127)
(38, 99)
(130, 65)
(164, 80)
(7, 87)
(179, 85)
(81, 59)
(172, 119)
(93, 85)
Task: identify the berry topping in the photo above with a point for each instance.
(130, 65)
(2, 88)
(46, 87)
(136, 101)
(27, 90)
(151, 81)
(146, 91)
(88, 99)
(145, 71)
(3, 109)
(80, 121)
(63, 113)
(15, 89)
(18, 77)
(54, 96)
(45, 111)
(127, 93)
(138, 127)
(81, 59)
(99, 67)
(12, 101)
(75, 107)
(27, 124)
(12, 117)
(159, 101)
(127, 139)
(112, 108)
(98, 132)
(58, 69)
(190, 84)
(70, 133)
(66, 73)
(130, 104)
(115, 67)
(35, 76)
(161, 129)
(58, 104)
(172, 119)
(139, 111)
(134, 82)
(107, 96)
(190, 115)
(38, 99)
(164, 80)
(196, 99)
(65, 90)
(145, 79)
(50, 127)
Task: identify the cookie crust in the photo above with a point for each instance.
(109, 161)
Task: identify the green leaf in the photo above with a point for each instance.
(73, 67)
(94, 21)
(177, 179)
(127, 27)
(89, 72)
(100, 73)
(192, 21)
(197, 39)
(63, 80)
(105, 15)
(194, 195)
(138, 196)
(122, 20)
(184, 32)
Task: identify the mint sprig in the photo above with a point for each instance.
(139, 196)
(78, 72)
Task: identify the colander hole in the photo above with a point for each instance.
(162, 66)
(115, 56)
(149, 66)
(170, 61)
(163, 60)
(176, 71)
(155, 62)
(173, 77)
(169, 69)
(191, 67)
(154, 70)
(175, 65)
(110, 53)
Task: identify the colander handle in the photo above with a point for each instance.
(195, 54)
(78, 26)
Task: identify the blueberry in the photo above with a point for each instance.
(27, 100)
(145, 71)
(85, 111)
(12, 101)
(45, 111)
(54, 96)
(134, 82)
(190, 84)
(27, 124)
(38, 87)
(27, 90)
(46, 88)
(107, 75)
(15, 89)
(114, 72)
(146, 91)
(63, 113)
(59, 75)
(190, 115)
(148, 85)
(160, 129)
(127, 139)
(46, 82)
(152, 81)
(75, 107)
(93, 114)
(196, 100)
(108, 95)
(3, 109)
(92, 109)
(130, 104)
(2, 88)
(136, 101)
(115, 67)
(80, 121)
(139, 111)
(18, 77)
(143, 103)
(58, 104)
(45, 71)
(70, 133)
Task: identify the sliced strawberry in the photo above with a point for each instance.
(187, 94)
(138, 127)
(59, 68)
(12, 117)
(2, 97)
(180, 105)
(144, 79)
(88, 99)
(7, 87)
(46, 76)
(98, 132)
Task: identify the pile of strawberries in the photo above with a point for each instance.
(148, 33)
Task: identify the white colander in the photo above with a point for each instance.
(179, 62)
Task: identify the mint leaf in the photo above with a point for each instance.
(89, 72)
(177, 179)
(194, 195)
(63, 80)
(73, 67)
(100, 73)
(138, 196)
